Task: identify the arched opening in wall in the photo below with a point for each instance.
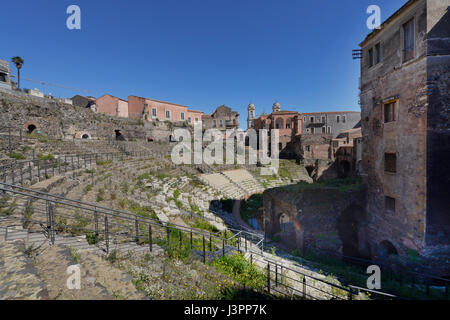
(387, 249)
(279, 124)
(171, 138)
(344, 169)
(119, 136)
(150, 139)
(286, 234)
(352, 234)
(85, 136)
(310, 170)
(31, 128)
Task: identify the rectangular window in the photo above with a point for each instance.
(370, 57)
(203, 122)
(304, 119)
(390, 112)
(288, 125)
(220, 123)
(154, 112)
(408, 40)
(307, 149)
(215, 123)
(312, 130)
(312, 119)
(189, 119)
(323, 119)
(328, 129)
(2, 77)
(378, 53)
(168, 115)
(389, 203)
(323, 129)
(182, 116)
(390, 162)
(343, 119)
(338, 118)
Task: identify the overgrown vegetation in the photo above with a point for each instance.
(237, 267)
(17, 156)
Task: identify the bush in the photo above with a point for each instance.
(17, 156)
(205, 225)
(241, 270)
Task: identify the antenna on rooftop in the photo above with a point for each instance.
(357, 54)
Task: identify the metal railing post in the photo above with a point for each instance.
(96, 225)
(204, 250)
(304, 286)
(150, 237)
(268, 277)
(136, 226)
(106, 235)
(21, 174)
(276, 275)
(12, 173)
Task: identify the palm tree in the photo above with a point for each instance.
(18, 61)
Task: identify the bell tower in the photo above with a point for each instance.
(251, 116)
(276, 107)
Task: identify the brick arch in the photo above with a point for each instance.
(83, 135)
(279, 123)
(31, 126)
(387, 249)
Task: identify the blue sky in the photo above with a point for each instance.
(200, 53)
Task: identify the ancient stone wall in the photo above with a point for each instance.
(438, 123)
(62, 121)
(310, 217)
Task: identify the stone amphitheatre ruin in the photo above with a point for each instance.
(82, 188)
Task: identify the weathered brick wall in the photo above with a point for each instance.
(438, 123)
(62, 121)
(406, 137)
(322, 218)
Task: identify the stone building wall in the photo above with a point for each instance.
(58, 120)
(5, 75)
(307, 217)
(329, 122)
(438, 123)
(419, 136)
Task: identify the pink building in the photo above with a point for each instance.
(113, 106)
(151, 110)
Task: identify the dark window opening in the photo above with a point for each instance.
(389, 112)
(378, 52)
(85, 136)
(408, 40)
(389, 203)
(370, 57)
(2, 77)
(31, 128)
(390, 162)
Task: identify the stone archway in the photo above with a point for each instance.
(83, 135)
(31, 127)
(279, 123)
(344, 168)
(387, 249)
(119, 135)
(351, 226)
